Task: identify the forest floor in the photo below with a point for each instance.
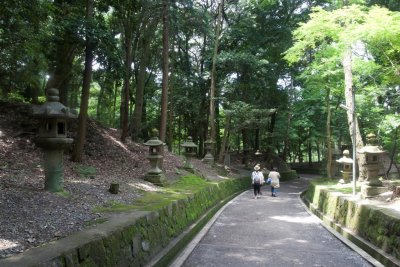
(30, 216)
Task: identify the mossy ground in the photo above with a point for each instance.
(151, 201)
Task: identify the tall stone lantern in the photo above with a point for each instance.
(372, 185)
(190, 152)
(347, 169)
(52, 138)
(155, 174)
(209, 147)
(258, 155)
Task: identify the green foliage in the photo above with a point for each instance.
(64, 194)
(85, 171)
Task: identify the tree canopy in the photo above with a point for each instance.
(267, 75)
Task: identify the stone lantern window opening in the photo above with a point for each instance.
(61, 128)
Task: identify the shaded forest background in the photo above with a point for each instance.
(225, 71)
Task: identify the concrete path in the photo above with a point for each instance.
(268, 232)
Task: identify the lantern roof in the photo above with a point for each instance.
(189, 143)
(345, 158)
(371, 147)
(53, 108)
(154, 141)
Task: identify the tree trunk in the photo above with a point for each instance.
(124, 109)
(309, 147)
(328, 135)
(136, 123)
(286, 142)
(87, 78)
(348, 79)
(164, 95)
(392, 154)
(224, 139)
(218, 27)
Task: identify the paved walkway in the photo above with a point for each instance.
(268, 232)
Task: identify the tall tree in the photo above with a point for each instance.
(218, 28)
(87, 78)
(165, 71)
(341, 32)
(66, 42)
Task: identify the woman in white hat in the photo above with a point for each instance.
(257, 179)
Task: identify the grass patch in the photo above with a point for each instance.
(151, 201)
(96, 222)
(333, 185)
(63, 193)
(85, 171)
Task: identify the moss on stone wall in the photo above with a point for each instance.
(134, 239)
(379, 226)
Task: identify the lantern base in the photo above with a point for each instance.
(208, 159)
(156, 178)
(368, 191)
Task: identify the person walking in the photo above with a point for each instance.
(273, 180)
(257, 179)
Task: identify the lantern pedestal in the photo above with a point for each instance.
(368, 191)
(155, 175)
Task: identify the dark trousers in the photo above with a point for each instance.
(257, 188)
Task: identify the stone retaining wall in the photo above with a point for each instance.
(131, 239)
(366, 223)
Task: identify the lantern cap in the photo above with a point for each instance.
(53, 108)
(189, 143)
(154, 141)
(372, 146)
(345, 158)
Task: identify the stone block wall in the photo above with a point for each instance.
(375, 225)
(133, 238)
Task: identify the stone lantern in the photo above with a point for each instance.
(52, 138)
(190, 152)
(209, 147)
(258, 155)
(155, 174)
(347, 169)
(372, 185)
